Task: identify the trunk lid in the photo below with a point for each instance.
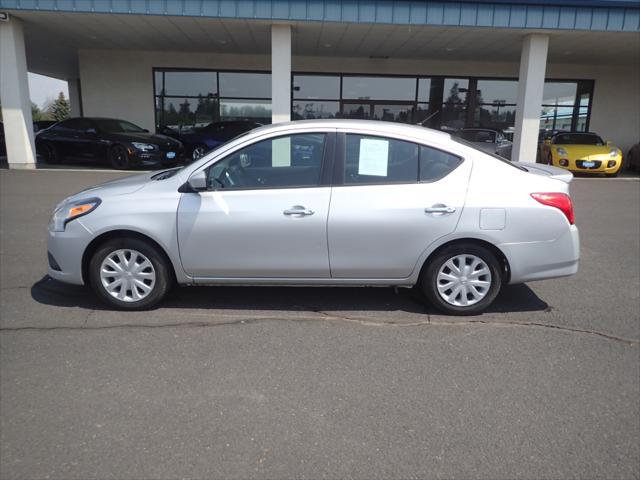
(546, 171)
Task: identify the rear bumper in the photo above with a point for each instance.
(531, 261)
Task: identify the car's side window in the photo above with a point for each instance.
(282, 162)
(436, 164)
(371, 160)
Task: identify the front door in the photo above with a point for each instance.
(396, 199)
(264, 215)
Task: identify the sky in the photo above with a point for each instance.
(44, 89)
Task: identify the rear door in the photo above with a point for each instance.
(392, 199)
(265, 213)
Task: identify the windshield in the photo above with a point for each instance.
(577, 139)
(117, 126)
(498, 157)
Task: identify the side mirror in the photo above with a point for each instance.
(197, 182)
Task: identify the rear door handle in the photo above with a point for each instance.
(298, 210)
(441, 209)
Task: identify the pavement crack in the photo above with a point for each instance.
(322, 316)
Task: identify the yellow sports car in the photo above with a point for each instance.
(582, 152)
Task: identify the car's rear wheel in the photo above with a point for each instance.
(462, 279)
(119, 158)
(198, 152)
(129, 274)
(50, 153)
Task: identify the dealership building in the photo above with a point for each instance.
(518, 66)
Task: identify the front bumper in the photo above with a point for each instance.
(158, 157)
(65, 250)
(600, 164)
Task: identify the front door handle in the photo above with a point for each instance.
(440, 209)
(298, 210)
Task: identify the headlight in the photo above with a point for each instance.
(613, 152)
(68, 211)
(145, 147)
(561, 151)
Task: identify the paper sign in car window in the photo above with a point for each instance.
(374, 157)
(281, 152)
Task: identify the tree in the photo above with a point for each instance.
(59, 109)
(37, 114)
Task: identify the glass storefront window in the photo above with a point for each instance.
(559, 93)
(190, 84)
(378, 88)
(455, 90)
(392, 113)
(186, 113)
(316, 86)
(497, 91)
(256, 110)
(245, 85)
(497, 116)
(308, 110)
(424, 89)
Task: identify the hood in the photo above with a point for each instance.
(155, 138)
(119, 186)
(546, 171)
(581, 151)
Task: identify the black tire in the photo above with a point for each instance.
(612, 175)
(50, 153)
(198, 152)
(119, 158)
(163, 278)
(429, 287)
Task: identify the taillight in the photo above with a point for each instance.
(561, 201)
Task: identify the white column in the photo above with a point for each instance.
(14, 94)
(533, 63)
(280, 73)
(75, 100)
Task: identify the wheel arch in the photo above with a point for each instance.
(120, 234)
(502, 258)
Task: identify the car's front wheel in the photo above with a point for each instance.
(198, 152)
(129, 274)
(119, 158)
(462, 279)
(50, 153)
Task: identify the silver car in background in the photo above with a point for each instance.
(327, 202)
(487, 140)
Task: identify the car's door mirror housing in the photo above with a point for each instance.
(196, 183)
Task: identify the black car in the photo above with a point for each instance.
(199, 141)
(39, 125)
(107, 140)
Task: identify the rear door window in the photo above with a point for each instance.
(436, 164)
(371, 160)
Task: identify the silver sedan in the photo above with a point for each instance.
(328, 202)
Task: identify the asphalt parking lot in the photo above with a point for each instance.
(317, 382)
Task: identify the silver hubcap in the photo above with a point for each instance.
(198, 152)
(463, 280)
(127, 275)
